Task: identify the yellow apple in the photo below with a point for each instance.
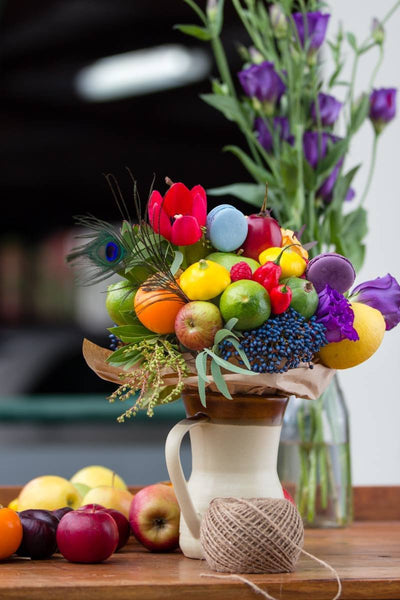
(95, 476)
(49, 492)
(110, 497)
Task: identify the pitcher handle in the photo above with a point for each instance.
(172, 457)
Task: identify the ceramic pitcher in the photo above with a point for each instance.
(234, 454)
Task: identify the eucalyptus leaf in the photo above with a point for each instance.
(176, 263)
(201, 386)
(219, 380)
(227, 365)
(222, 334)
(201, 366)
(231, 323)
(241, 352)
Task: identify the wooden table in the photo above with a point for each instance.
(366, 555)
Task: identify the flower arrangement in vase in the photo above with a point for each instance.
(299, 115)
(226, 309)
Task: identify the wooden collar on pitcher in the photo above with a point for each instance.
(269, 409)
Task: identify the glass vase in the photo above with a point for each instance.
(314, 458)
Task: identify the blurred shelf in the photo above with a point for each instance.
(77, 408)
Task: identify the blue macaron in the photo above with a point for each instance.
(226, 228)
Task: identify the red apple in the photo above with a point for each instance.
(87, 536)
(89, 507)
(263, 232)
(124, 528)
(197, 323)
(154, 518)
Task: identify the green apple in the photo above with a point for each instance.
(82, 488)
(49, 492)
(95, 475)
(119, 303)
(228, 259)
(110, 497)
(304, 296)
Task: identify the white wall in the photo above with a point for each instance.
(373, 389)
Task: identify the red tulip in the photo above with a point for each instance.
(180, 215)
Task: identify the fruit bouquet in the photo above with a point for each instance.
(225, 301)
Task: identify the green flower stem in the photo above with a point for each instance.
(377, 67)
(371, 168)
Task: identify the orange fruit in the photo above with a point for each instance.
(10, 532)
(157, 309)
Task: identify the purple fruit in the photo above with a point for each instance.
(226, 227)
(124, 528)
(331, 269)
(39, 534)
(60, 512)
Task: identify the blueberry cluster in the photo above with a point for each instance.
(114, 341)
(282, 343)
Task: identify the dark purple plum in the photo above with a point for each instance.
(60, 512)
(39, 534)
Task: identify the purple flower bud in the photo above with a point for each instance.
(329, 109)
(335, 312)
(313, 25)
(382, 107)
(265, 136)
(382, 293)
(262, 82)
(350, 194)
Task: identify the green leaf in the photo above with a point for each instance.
(252, 193)
(176, 263)
(122, 356)
(355, 224)
(259, 173)
(200, 33)
(360, 113)
(219, 380)
(197, 10)
(222, 334)
(133, 361)
(351, 38)
(132, 333)
(241, 352)
(333, 155)
(225, 104)
(231, 323)
(201, 366)
(227, 365)
(201, 385)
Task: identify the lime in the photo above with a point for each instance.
(247, 301)
(119, 303)
(228, 259)
(370, 326)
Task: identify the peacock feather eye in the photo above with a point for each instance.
(112, 252)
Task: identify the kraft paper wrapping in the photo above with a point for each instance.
(302, 382)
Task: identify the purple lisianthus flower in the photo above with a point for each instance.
(313, 25)
(350, 194)
(382, 107)
(262, 82)
(315, 147)
(335, 312)
(382, 293)
(329, 109)
(265, 136)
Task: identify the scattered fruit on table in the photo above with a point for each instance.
(110, 497)
(197, 323)
(39, 534)
(263, 232)
(154, 518)
(95, 475)
(304, 296)
(87, 536)
(10, 532)
(148, 305)
(370, 326)
(226, 227)
(119, 303)
(331, 269)
(291, 263)
(240, 271)
(204, 280)
(227, 260)
(248, 301)
(48, 492)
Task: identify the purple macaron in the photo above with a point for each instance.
(332, 269)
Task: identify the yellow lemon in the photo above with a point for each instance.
(370, 326)
(13, 504)
(291, 263)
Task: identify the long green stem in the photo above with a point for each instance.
(377, 67)
(371, 168)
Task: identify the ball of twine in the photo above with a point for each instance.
(259, 535)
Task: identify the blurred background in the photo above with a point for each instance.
(88, 87)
